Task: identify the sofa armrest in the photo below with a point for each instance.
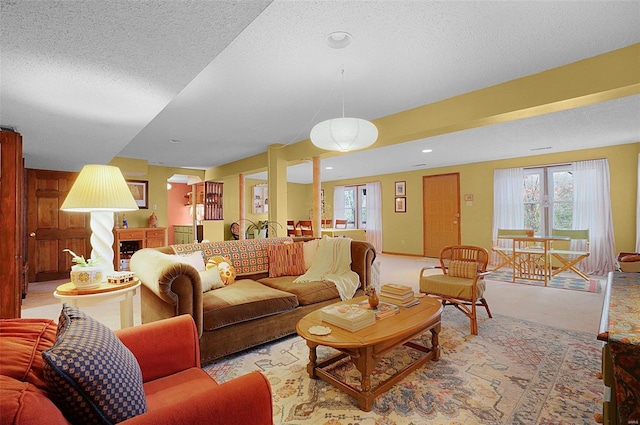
(241, 401)
(164, 347)
(363, 255)
(172, 281)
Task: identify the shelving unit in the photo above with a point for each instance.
(213, 200)
(127, 241)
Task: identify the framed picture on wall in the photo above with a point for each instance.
(401, 204)
(140, 191)
(401, 188)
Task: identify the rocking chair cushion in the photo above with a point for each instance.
(449, 286)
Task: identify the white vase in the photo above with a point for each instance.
(263, 233)
(86, 277)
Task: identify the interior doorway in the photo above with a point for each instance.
(441, 212)
(185, 209)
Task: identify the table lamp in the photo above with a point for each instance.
(100, 190)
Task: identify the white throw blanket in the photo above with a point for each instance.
(332, 263)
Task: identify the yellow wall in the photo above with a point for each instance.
(135, 169)
(402, 232)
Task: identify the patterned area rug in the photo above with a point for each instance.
(561, 281)
(513, 372)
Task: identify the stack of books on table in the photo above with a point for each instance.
(382, 311)
(348, 316)
(398, 294)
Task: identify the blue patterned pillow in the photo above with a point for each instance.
(92, 376)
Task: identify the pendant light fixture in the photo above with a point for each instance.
(343, 134)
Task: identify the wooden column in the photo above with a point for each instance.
(317, 211)
(241, 206)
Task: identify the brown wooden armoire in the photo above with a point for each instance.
(12, 277)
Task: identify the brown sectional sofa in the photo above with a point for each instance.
(255, 309)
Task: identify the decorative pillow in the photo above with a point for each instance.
(210, 278)
(91, 375)
(466, 269)
(194, 258)
(286, 259)
(630, 258)
(225, 267)
(309, 248)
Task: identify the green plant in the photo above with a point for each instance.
(80, 261)
(270, 226)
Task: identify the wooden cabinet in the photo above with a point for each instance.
(13, 283)
(620, 333)
(154, 238)
(184, 233)
(128, 241)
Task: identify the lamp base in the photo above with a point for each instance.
(102, 240)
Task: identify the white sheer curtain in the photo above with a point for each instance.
(374, 215)
(338, 203)
(508, 206)
(592, 210)
(638, 210)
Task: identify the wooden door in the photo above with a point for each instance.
(441, 209)
(50, 230)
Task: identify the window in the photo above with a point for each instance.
(355, 206)
(548, 198)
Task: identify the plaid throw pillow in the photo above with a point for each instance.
(286, 259)
(92, 376)
(466, 269)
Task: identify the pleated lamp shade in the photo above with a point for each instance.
(99, 188)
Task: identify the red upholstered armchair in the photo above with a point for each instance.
(177, 390)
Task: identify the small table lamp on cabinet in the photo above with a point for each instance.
(100, 190)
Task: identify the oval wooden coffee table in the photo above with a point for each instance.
(366, 346)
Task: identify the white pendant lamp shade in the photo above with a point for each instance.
(344, 134)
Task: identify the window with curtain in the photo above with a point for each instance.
(355, 206)
(361, 205)
(564, 196)
(548, 198)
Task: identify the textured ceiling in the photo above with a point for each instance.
(86, 81)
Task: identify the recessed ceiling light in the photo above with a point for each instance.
(328, 168)
(427, 150)
(174, 141)
(338, 40)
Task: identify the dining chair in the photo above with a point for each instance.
(305, 227)
(504, 247)
(341, 224)
(569, 253)
(326, 223)
(460, 281)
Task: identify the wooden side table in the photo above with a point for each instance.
(106, 292)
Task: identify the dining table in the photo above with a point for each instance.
(530, 256)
